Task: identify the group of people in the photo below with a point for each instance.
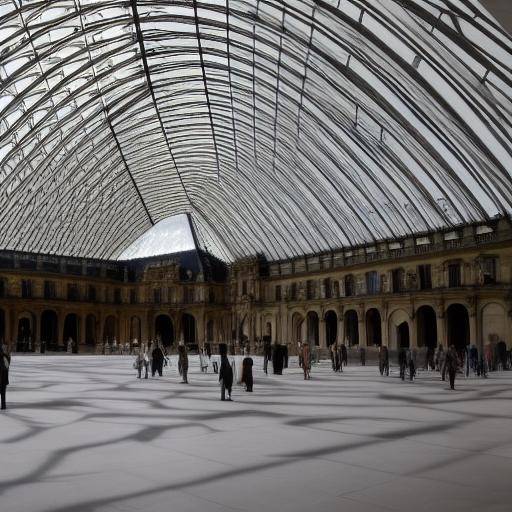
(159, 358)
(339, 356)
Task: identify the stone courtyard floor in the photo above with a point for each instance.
(83, 434)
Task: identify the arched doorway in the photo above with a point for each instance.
(351, 328)
(457, 326)
(71, 330)
(135, 330)
(373, 328)
(90, 330)
(427, 327)
(110, 329)
(49, 329)
(398, 329)
(297, 325)
(25, 332)
(188, 327)
(331, 327)
(402, 335)
(164, 331)
(313, 328)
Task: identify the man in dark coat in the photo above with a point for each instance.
(451, 365)
(225, 373)
(278, 359)
(384, 360)
(157, 364)
(267, 355)
(402, 362)
(5, 361)
(344, 355)
(247, 377)
(183, 362)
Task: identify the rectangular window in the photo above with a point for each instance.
(157, 295)
(49, 290)
(425, 274)
(26, 289)
(133, 296)
(349, 286)
(310, 292)
(293, 291)
(489, 266)
(91, 293)
(117, 296)
(73, 293)
(372, 283)
(397, 280)
(454, 275)
(244, 287)
(2, 288)
(328, 288)
(278, 293)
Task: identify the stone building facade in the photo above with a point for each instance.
(443, 287)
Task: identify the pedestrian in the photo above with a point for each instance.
(402, 362)
(225, 373)
(299, 352)
(157, 360)
(183, 362)
(411, 362)
(247, 377)
(5, 363)
(362, 356)
(473, 359)
(441, 361)
(338, 358)
(451, 365)
(203, 360)
(306, 360)
(333, 356)
(384, 360)
(344, 355)
(267, 355)
(141, 361)
(278, 359)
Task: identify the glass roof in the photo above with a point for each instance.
(281, 127)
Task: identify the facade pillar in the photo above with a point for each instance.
(340, 338)
(37, 328)
(413, 327)
(361, 319)
(321, 334)
(60, 328)
(81, 329)
(384, 331)
(441, 329)
(143, 327)
(7, 327)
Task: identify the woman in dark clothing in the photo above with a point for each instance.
(344, 355)
(225, 373)
(183, 362)
(5, 361)
(157, 364)
(247, 377)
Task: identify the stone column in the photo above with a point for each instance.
(321, 333)
(413, 327)
(341, 329)
(441, 328)
(60, 327)
(361, 319)
(81, 329)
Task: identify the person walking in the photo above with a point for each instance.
(306, 360)
(411, 362)
(402, 362)
(451, 363)
(384, 360)
(225, 373)
(362, 356)
(183, 362)
(344, 355)
(299, 353)
(157, 360)
(5, 363)
(141, 361)
(247, 377)
(267, 355)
